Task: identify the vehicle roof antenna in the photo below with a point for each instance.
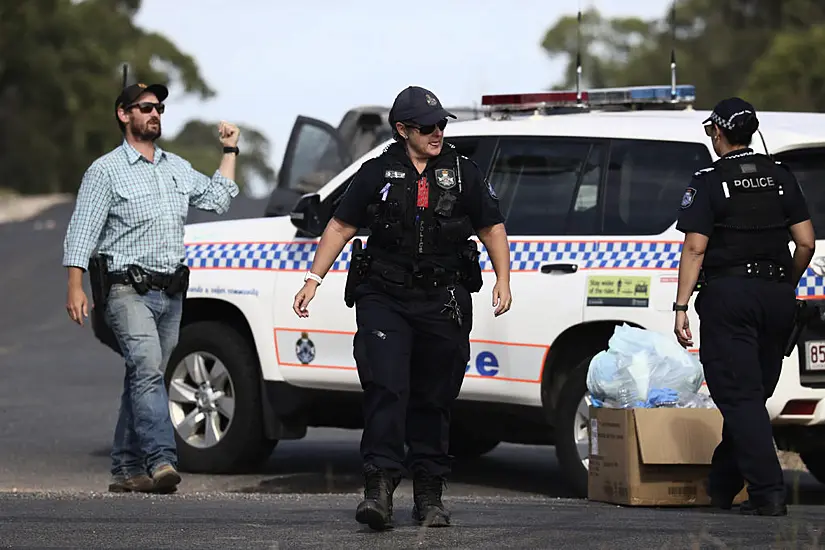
(673, 51)
(579, 57)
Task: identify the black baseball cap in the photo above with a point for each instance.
(417, 105)
(731, 113)
(130, 93)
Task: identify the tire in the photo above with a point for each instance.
(815, 462)
(242, 445)
(466, 446)
(573, 395)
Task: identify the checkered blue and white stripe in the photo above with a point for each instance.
(525, 256)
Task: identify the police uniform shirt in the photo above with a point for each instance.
(478, 198)
(707, 199)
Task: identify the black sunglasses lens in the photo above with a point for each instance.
(146, 108)
(430, 128)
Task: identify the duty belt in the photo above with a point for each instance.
(154, 280)
(753, 270)
(397, 275)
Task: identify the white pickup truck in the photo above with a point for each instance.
(590, 196)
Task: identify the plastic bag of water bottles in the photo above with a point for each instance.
(643, 368)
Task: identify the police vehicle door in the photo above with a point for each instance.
(549, 192)
(314, 154)
(633, 275)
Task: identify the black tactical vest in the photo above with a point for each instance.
(753, 191)
(752, 224)
(410, 236)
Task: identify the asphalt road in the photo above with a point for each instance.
(58, 403)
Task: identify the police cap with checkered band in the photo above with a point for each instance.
(734, 113)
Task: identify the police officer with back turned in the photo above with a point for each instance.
(738, 216)
(422, 202)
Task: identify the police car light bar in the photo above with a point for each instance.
(598, 97)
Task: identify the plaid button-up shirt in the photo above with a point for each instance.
(134, 211)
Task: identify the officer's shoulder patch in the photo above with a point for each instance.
(687, 198)
(490, 189)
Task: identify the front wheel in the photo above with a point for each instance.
(572, 417)
(466, 446)
(214, 391)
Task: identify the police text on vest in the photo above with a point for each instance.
(754, 183)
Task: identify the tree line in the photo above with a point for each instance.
(60, 72)
(770, 52)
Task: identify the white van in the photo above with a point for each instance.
(591, 192)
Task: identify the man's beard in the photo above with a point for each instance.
(145, 133)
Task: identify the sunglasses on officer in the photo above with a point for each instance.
(709, 131)
(429, 128)
(146, 107)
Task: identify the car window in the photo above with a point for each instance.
(548, 186)
(645, 184)
(808, 165)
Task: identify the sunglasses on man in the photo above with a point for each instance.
(429, 128)
(146, 107)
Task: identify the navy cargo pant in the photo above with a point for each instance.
(744, 325)
(411, 358)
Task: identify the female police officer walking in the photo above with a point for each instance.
(736, 216)
(421, 201)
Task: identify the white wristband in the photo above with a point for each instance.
(313, 276)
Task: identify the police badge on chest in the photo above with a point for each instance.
(445, 178)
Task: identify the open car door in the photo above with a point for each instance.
(314, 154)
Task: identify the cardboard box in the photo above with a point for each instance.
(652, 457)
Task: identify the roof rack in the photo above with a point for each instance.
(561, 102)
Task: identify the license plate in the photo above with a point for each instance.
(815, 355)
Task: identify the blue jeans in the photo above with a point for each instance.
(147, 329)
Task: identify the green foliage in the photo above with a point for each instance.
(771, 52)
(198, 143)
(60, 71)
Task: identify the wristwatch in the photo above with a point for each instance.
(310, 275)
(232, 150)
(678, 307)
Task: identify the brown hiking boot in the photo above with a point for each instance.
(136, 484)
(166, 479)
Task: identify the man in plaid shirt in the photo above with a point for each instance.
(131, 206)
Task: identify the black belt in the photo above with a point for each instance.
(397, 275)
(155, 281)
(752, 270)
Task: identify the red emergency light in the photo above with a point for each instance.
(535, 99)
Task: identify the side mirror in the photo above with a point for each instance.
(306, 215)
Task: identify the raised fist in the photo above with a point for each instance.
(229, 134)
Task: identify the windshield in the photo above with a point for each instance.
(808, 165)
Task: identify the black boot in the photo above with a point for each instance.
(774, 505)
(376, 508)
(428, 509)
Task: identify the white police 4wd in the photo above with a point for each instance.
(591, 197)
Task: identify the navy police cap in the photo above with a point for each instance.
(732, 113)
(417, 105)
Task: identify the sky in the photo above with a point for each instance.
(272, 60)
